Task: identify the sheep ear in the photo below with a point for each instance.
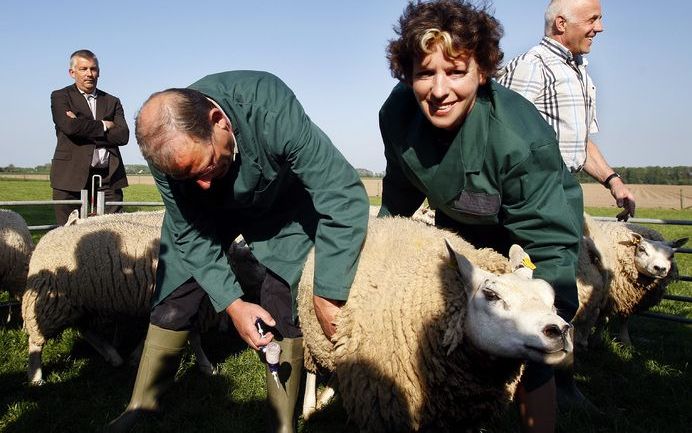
(471, 275)
(520, 262)
(72, 218)
(678, 243)
(636, 238)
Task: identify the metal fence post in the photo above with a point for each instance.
(100, 203)
(84, 210)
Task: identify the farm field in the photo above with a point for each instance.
(643, 389)
(648, 196)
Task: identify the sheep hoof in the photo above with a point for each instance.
(308, 412)
(325, 397)
(39, 382)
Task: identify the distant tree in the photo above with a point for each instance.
(362, 172)
(43, 168)
(656, 175)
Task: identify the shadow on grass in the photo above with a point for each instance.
(646, 389)
(83, 393)
(641, 389)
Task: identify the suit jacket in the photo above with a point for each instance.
(78, 137)
(288, 189)
(500, 181)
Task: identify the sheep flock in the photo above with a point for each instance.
(417, 344)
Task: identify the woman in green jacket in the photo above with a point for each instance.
(482, 156)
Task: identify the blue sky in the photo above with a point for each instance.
(332, 55)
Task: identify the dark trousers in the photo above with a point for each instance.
(177, 312)
(62, 211)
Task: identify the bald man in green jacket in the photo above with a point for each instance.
(236, 154)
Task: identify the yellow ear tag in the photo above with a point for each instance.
(526, 261)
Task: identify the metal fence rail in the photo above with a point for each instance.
(83, 208)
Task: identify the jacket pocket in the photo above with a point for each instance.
(477, 203)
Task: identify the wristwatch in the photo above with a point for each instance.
(606, 182)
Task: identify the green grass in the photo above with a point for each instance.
(641, 390)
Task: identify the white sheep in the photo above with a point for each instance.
(15, 251)
(429, 341)
(593, 283)
(424, 214)
(631, 267)
(101, 267)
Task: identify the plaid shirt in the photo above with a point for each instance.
(556, 82)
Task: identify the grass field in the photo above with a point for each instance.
(644, 389)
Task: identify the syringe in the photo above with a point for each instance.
(271, 351)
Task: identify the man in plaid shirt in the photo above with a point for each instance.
(553, 76)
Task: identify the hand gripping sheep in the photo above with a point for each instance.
(429, 340)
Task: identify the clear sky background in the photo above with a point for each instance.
(331, 53)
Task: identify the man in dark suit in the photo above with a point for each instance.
(90, 125)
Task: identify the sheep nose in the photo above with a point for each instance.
(660, 269)
(552, 331)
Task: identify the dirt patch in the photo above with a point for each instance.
(646, 196)
(595, 195)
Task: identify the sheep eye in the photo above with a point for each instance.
(490, 295)
(643, 251)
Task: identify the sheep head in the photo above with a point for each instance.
(512, 315)
(654, 258)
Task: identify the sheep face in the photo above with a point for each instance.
(654, 258)
(512, 315)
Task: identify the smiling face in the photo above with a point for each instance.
(446, 87)
(85, 73)
(580, 26)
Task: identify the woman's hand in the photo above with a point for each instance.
(326, 311)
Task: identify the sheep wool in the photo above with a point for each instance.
(15, 251)
(608, 280)
(593, 281)
(101, 268)
(632, 291)
(106, 268)
(394, 341)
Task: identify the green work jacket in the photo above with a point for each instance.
(288, 189)
(499, 180)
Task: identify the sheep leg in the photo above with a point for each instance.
(312, 401)
(203, 363)
(328, 392)
(104, 349)
(625, 332)
(34, 371)
(309, 400)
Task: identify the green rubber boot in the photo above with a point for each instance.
(157, 367)
(282, 397)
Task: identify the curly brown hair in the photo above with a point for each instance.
(472, 29)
